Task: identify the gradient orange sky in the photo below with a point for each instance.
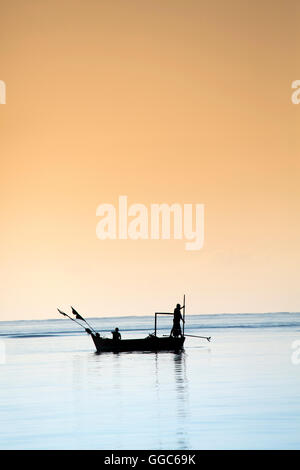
(162, 101)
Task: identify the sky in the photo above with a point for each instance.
(170, 101)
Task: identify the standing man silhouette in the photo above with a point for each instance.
(176, 330)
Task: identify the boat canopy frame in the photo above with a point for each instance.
(168, 313)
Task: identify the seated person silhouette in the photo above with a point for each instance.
(116, 334)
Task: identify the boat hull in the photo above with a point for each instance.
(151, 343)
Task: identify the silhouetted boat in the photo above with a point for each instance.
(150, 343)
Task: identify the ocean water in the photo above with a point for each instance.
(240, 391)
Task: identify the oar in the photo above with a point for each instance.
(65, 315)
(79, 317)
(204, 337)
(194, 336)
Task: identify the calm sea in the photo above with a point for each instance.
(240, 391)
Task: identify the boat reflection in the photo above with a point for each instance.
(179, 389)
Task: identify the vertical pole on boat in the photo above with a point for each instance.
(183, 315)
(155, 324)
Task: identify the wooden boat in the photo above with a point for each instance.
(150, 343)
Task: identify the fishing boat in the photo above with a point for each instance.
(152, 342)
